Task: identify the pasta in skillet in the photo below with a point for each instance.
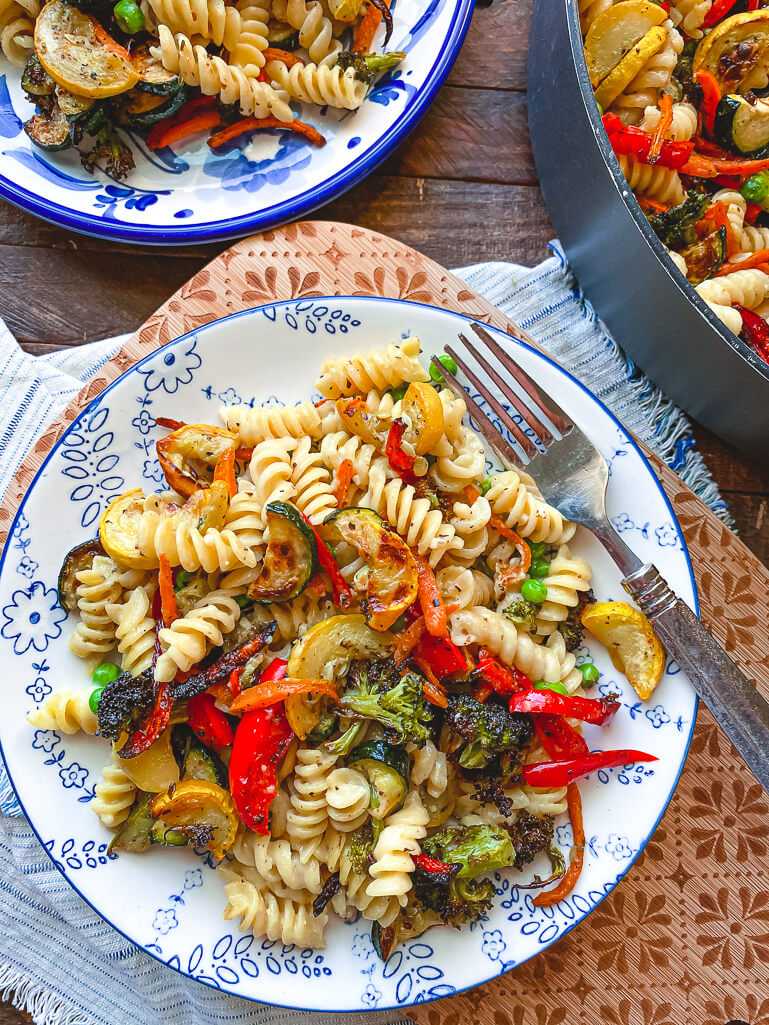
(332, 656)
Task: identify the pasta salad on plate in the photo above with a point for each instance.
(342, 658)
(682, 87)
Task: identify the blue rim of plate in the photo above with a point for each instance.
(279, 213)
(654, 480)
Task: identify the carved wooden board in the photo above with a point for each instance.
(684, 940)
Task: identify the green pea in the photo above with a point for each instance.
(105, 673)
(537, 548)
(399, 392)
(181, 579)
(485, 485)
(129, 17)
(557, 687)
(95, 698)
(449, 364)
(755, 188)
(539, 569)
(589, 672)
(534, 591)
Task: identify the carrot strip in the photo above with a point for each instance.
(521, 547)
(665, 121)
(432, 688)
(569, 881)
(102, 36)
(472, 494)
(270, 692)
(252, 124)
(364, 35)
(318, 585)
(272, 53)
(225, 471)
(652, 206)
(175, 133)
(166, 421)
(168, 606)
(409, 639)
(343, 481)
(220, 692)
(430, 599)
(244, 453)
(754, 260)
(700, 166)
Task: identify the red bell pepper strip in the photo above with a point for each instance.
(711, 96)
(166, 421)
(431, 865)
(599, 712)
(209, 722)
(430, 599)
(342, 592)
(276, 670)
(628, 140)
(261, 740)
(573, 872)
(400, 461)
(755, 331)
(569, 770)
(718, 11)
(503, 679)
(441, 654)
(751, 212)
(559, 738)
(234, 682)
(432, 688)
(172, 130)
(168, 605)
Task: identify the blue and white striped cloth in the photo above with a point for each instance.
(58, 960)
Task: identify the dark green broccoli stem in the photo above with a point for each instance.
(366, 66)
(360, 850)
(346, 742)
(110, 154)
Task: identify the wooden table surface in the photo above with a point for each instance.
(461, 189)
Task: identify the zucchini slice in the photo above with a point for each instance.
(194, 759)
(35, 80)
(704, 258)
(742, 125)
(391, 571)
(736, 51)
(143, 110)
(386, 767)
(134, 834)
(282, 36)
(204, 810)
(50, 132)
(615, 31)
(153, 77)
(79, 558)
(78, 53)
(291, 557)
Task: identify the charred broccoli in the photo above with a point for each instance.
(398, 703)
(360, 849)
(109, 153)
(523, 613)
(571, 628)
(488, 729)
(124, 703)
(476, 849)
(366, 66)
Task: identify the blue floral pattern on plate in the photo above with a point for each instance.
(114, 438)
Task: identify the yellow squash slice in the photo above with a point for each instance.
(630, 65)
(736, 51)
(615, 32)
(423, 412)
(633, 646)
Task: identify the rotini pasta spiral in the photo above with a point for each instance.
(515, 647)
(513, 496)
(470, 522)
(678, 260)
(316, 32)
(464, 587)
(276, 862)
(308, 818)
(429, 766)
(376, 370)
(746, 288)
(271, 470)
(688, 15)
(263, 422)
(655, 75)
(348, 796)
(294, 617)
(352, 897)
(415, 519)
(241, 28)
(749, 237)
(339, 445)
(244, 520)
(567, 576)
(163, 530)
(313, 494)
(113, 795)
(323, 85)
(97, 587)
(682, 127)
(465, 463)
(214, 77)
(652, 180)
(17, 27)
(187, 640)
(727, 315)
(283, 919)
(135, 630)
(67, 711)
(397, 842)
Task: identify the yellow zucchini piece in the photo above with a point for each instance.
(633, 646)
(203, 806)
(630, 65)
(615, 32)
(736, 52)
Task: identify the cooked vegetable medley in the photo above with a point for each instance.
(339, 658)
(174, 69)
(684, 92)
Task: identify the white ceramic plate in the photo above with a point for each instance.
(170, 902)
(188, 194)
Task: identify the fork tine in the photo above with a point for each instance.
(503, 448)
(525, 443)
(536, 425)
(553, 411)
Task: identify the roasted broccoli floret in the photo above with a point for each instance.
(366, 66)
(398, 703)
(345, 742)
(124, 703)
(360, 849)
(675, 227)
(110, 154)
(444, 898)
(487, 728)
(571, 628)
(530, 835)
(523, 613)
(476, 849)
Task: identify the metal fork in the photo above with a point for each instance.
(572, 475)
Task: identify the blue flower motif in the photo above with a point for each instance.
(371, 996)
(193, 878)
(144, 422)
(173, 367)
(33, 618)
(667, 536)
(164, 920)
(657, 716)
(493, 944)
(22, 524)
(39, 690)
(229, 397)
(362, 945)
(45, 740)
(152, 471)
(73, 776)
(619, 847)
(27, 567)
(622, 523)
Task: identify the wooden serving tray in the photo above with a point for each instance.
(684, 940)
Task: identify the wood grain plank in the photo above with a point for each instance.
(494, 52)
(751, 517)
(733, 470)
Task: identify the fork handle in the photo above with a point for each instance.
(741, 712)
